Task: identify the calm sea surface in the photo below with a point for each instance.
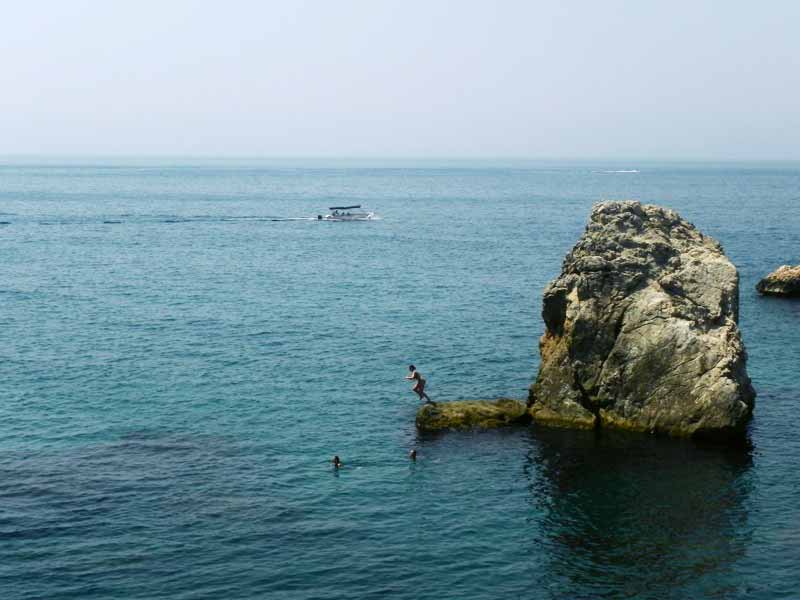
(178, 362)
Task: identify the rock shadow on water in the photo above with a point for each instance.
(627, 515)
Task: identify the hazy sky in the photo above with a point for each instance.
(637, 79)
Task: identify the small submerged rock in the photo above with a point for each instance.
(469, 414)
(785, 281)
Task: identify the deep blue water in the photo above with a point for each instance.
(177, 365)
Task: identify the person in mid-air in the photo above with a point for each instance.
(419, 383)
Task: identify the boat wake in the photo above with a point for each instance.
(619, 171)
(184, 219)
(269, 218)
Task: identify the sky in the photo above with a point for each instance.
(343, 78)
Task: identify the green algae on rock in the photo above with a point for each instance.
(641, 330)
(471, 414)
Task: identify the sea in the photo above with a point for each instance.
(184, 346)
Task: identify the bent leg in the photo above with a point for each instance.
(422, 393)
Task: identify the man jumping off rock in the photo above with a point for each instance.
(419, 384)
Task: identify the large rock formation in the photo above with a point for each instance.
(471, 414)
(641, 330)
(785, 281)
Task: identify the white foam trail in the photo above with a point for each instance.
(619, 171)
(269, 218)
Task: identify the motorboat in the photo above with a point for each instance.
(347, 213)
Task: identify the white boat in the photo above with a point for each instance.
(347, 213)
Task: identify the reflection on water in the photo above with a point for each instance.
(638, 515)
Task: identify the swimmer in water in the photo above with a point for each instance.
(419, 383)
(337, 464)
(413, 455)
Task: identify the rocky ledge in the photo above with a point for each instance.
(641, 330)
(471, 414)
(785, 281)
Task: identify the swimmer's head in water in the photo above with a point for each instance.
(413, 455)
(412, 368)
(336, 462)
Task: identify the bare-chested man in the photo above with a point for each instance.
(419, 383)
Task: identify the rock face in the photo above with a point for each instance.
(469, 414)
(641, 330)
(785, 281)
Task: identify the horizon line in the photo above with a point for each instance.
(322, 157)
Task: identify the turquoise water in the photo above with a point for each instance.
(178, 362)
